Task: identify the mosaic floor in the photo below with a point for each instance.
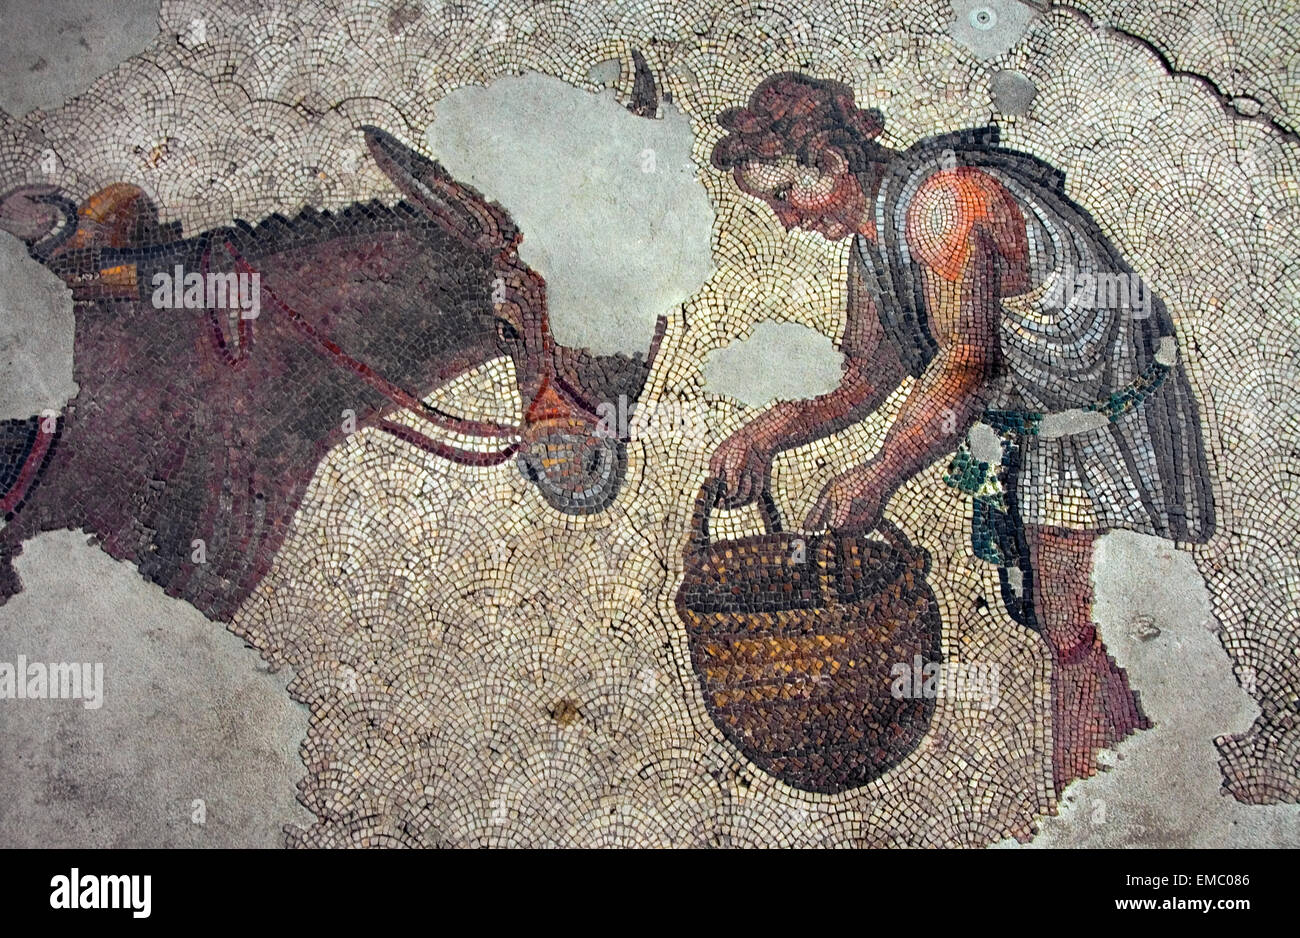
(685, 424)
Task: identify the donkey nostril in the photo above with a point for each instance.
(529, 467)
(575, 472)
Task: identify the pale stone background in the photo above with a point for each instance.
(521, 603)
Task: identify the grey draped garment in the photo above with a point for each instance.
(1064, 358)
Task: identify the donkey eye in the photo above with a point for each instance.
(506, 332)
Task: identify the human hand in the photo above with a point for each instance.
(743, 466)
(852, 501)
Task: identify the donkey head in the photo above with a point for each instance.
(566, 449)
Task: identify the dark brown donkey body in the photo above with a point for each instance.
(196, 431)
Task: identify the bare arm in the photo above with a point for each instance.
(949, 395)
(962, 228)
(871, 371)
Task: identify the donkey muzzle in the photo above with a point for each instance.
(577, 470)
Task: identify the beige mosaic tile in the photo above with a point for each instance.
(515, 627)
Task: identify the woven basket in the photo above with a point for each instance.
(795, 639)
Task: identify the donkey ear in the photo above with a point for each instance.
(459, 209)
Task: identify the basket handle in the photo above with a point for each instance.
(708, 498)
(769, 512)
(711, 492)
(896, 538)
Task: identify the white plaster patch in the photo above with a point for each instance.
(1069, 422)
(989, 27)
(196, 742)
(985, 445)
(36, 333)
(1167, 354)
(612, 213)
(1163, 786)
(779, 361)
(54, 49)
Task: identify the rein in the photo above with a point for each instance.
(401, 398)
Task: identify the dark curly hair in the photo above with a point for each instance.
(791, 114)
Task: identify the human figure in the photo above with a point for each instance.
(1064, 405)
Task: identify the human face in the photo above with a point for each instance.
(828, 201)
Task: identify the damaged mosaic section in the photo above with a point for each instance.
(364, 431)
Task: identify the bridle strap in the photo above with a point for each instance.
(329, 349)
